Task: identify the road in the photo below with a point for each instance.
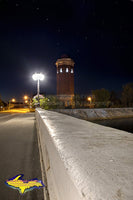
(19, 154)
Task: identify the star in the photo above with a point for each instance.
(59, 30)
(116, 2)
(103, 22)
(93, 14)
(17, 4)
(58, 44)
(37, 8)
(86, 38)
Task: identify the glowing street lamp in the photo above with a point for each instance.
(89, 99)
(25, 97)
(13, 100)
(38, 77)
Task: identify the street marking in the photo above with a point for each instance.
(23, 186)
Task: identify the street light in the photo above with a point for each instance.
(25, 97)
(38, 77)
(89, 99)
(12, 100)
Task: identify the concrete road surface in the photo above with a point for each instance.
(19, 154)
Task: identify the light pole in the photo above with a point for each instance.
(90, 100)
(38, 77)
(25, 97)
(12, 100)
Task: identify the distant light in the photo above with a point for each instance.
(25, 97)
(13, 100)
(38, 76)
(89, 98)
(26, 101)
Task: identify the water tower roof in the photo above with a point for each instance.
(65, 61)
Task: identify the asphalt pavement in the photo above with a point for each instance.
(19, 154)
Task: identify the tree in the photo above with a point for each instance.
(127, 95)
(44, 103)
(49, 102)
(1, 103)
(102, 97)
(115, 100)
(52, 102)
(77, 101)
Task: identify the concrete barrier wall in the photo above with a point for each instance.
(83, 160)
(99, 113)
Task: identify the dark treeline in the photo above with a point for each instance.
(1, 103)
(99, 98)
(104, 98)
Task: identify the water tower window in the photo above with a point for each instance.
(66, 69)
(71, 70)
(60, 70)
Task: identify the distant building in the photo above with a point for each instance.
(65, 80)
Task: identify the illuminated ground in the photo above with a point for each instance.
(18, 110)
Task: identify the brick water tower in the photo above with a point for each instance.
(65, 79)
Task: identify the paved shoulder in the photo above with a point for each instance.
(19, 154)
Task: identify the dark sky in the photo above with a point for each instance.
(97, 35)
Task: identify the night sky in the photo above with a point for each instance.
(97, 35)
